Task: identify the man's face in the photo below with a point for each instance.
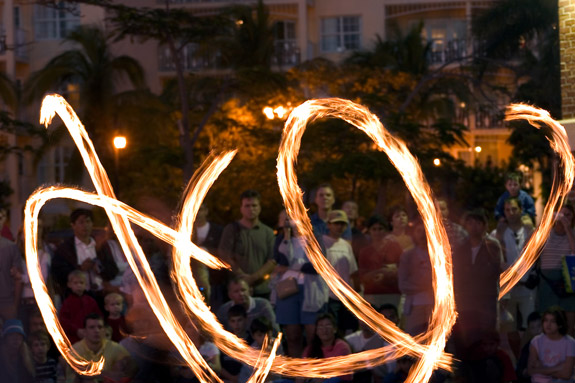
(324, 198)
(39, 349)
(336, 229)
(474, 228)
(350, 209)
(512, 211)
(94, 330)
(82, 227)
(250, 208)
(512, 187)
(239, 293)
(237, 325)
(377, 231)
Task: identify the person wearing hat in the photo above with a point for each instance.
(340, 255)
(16, 363)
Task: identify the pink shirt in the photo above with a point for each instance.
(339, 348)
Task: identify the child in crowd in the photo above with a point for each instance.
(77, 306)
(533, 329)
(259, 329)
(208, 350)
(237, 323)
(552, 354)
(46, 368)
(114, 305)
(513, 189)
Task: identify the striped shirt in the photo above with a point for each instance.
(46, 372)
(555, 248)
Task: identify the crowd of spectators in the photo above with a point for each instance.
(272, 286)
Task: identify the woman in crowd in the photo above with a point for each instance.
(378, 265)
(297, 311)
(327, 343)
(552, 354)
(399, 227)
(16, 363)
(561, 242)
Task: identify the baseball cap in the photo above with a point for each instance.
(337, 216)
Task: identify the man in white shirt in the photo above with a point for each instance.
(80, 252)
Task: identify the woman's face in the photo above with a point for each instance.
(325, 331)
(550, 326)
(14, 341)
(399, 219)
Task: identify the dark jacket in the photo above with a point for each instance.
(66, 260)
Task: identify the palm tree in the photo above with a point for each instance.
(522, 36)
(91, 66)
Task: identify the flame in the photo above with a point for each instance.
(564, 169)
(428, 347)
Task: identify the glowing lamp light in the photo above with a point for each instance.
(269, 112)
(478, 149)
(278, 112)
(120, 142)
(436, 162)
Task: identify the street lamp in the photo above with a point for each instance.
(120, 143)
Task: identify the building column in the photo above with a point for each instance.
(302, 30)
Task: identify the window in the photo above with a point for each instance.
(285, 30)
(55, 22)
(340, 34)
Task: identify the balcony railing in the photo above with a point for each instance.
(286, 53)
(194, 58)
(204, 1)
(452, 50)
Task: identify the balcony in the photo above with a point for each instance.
(196, 58)
(446, 52)
(193, 59)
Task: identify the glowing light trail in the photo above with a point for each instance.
(428, 347)
(443, 316)
(51, 105)
(562, 183)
